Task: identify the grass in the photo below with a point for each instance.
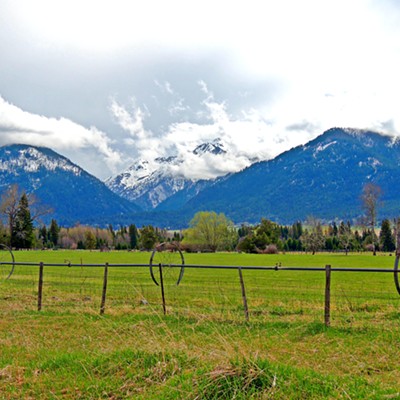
(203, 348)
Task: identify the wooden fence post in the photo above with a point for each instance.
(246, 309)
(40, 286)
(327, 296)
(104, 293)
(162, 289)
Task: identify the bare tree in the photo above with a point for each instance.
(9, 205)
(9, 208)
(397, 235)
(313, 237)
(370, 197)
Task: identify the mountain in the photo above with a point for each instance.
(323, 178)
(73, 194)
(151, 183)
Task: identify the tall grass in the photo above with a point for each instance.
(203, 348)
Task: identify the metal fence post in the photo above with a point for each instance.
(327, 295)
(40, 286)
(104, 293)
(246, 309)
(162, 289)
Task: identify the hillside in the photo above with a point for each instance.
(323, 178)
(73, 194)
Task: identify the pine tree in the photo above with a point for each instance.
(386, 237)
(54, 232)
(23, 225)
(133, 236)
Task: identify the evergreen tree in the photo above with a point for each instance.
(334, 229)
(54, 232)
(386, 237)
(43, 235)
(133, 236)
(23, 225)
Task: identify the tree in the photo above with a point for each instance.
(133, 236)
(313, 238)
(23, 225)
(370, 196)
(90, 240)
(54, 232)
(211, 231)
(9, 208)
(148, 237)
(386, 237)
(345, 236)
(43, 235)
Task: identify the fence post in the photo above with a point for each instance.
(327, 296)
(104, 293)
(246, 309)
(162, 289)
(40, 286)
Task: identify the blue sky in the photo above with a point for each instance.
(107, 82)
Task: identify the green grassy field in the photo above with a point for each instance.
(203, 348)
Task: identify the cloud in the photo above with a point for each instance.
(248, 137)
(63, 135)
(270, 76)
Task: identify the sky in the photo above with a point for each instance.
(106, 83)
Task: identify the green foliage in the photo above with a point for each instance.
(386, 237)
(54, 232)
(23, 225)
(90, 240)
(211, 231)
(133, 236)
(148, 237)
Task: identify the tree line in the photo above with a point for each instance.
(208, 231)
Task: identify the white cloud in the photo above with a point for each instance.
(63, 135)
(248, 137)
(318, 63)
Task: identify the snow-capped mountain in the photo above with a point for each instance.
(149, 183)
(215, 147)
(17, 158)
(323, 178)
(73, 194)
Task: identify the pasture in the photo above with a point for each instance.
(203, 348)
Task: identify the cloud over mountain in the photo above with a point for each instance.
(64, 135)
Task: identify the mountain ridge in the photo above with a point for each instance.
(338, 163)
(323, 178)
(73, 194)
(150, 183)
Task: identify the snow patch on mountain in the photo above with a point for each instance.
(323, 147)
(151, 182)
(32, 159)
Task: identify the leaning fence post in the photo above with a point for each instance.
(246, 309)
(104, 293)
(40, 286)
(327, 295)
(162, 289)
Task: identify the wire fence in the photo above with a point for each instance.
(274, 294)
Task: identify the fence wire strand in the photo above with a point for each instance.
(276, 296)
